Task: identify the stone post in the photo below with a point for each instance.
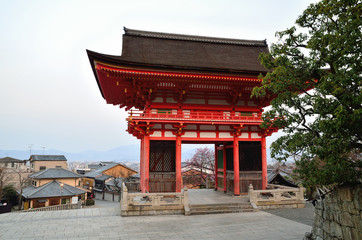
(251, 194)
(186, 202)
(124, 202)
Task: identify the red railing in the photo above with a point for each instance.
(191, 115)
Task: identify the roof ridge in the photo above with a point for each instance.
(41, 187)
(173, 36)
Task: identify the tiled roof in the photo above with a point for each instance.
(98, 172)
(177, 52)
(10, 160)
(277, 178)
(47, 158)
(51, 189)
(54, 173)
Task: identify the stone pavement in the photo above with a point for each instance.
(106, 223)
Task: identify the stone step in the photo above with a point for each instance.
(247, 204)
(221, 208)
(202, 212)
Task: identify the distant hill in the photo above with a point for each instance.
(127, 153)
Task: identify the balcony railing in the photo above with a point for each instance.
(195, 116)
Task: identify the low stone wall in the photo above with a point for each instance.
(338, 215)
(285, 197)
(143, 204)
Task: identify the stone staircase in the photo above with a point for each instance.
(221, 208)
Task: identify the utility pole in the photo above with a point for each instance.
(43, 149)
(30, 146)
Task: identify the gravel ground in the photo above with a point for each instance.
(301, 215)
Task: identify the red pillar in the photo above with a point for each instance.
(236, 167)
(263, 163)
(224, 164)
(178, 164)
(147, 162)
(142, 167)
(216, 167)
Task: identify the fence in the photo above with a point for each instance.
(284, 197)
(57, 207)
(153, 203)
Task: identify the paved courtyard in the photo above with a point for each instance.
(105, 222)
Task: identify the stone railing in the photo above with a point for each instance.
(57, 207)
(154, 203)
(285, 197)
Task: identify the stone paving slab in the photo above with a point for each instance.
(106, 223)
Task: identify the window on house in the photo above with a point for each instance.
(12, 165)
(33, 183)
(32, 165)
(58, 166)
(42, 167)
(78, 183)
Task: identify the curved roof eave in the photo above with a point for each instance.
(117, 60)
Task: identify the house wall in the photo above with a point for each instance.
(14, 166)
(14, 178)
(35, 165)
(88, 182)
(119, 172)
(70, 181)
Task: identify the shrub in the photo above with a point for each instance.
(89, 202)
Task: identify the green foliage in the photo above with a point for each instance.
(323, 125)
(10, 194)
(89, 202)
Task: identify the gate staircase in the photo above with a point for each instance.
(221, 208)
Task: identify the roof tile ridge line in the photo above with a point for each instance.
(127, 167)
(66, 186)
(42, 187)
(175, 36)
(41, 172)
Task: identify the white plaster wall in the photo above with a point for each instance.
(224, 135)
(190, 134)
(208, 135)
(255, 135)
(169, 134)
(156, 134)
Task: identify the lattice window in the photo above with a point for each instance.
(162, 156)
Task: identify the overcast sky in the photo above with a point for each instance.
(48, 94)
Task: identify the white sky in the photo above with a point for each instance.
(48, 94)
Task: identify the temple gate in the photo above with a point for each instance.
(181, 88)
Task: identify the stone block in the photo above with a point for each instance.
(357, 201)
(346, 219)
(345, 194)
(335, 230)
(347, 235)
(357, 222)
(356, 234)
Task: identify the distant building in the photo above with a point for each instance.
(53, 186)
(13, 163)
(42, 162)
(277, 179)
(194, 177)
(14, 167)
(101, 177)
